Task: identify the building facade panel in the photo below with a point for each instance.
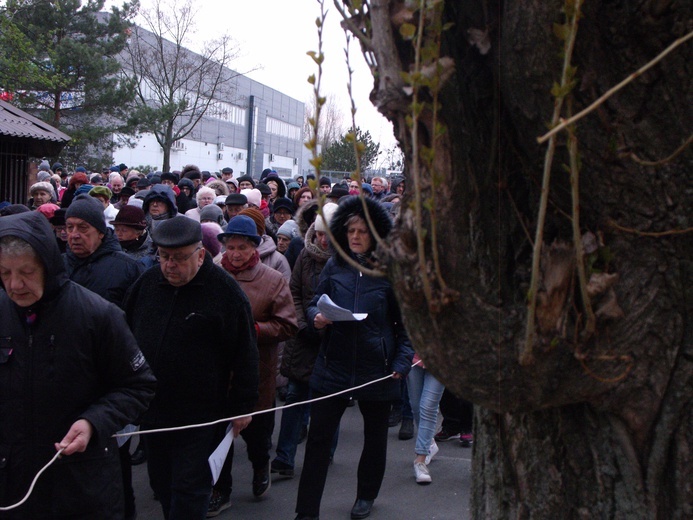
(232, 130)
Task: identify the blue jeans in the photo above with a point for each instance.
(425, 392)
(292, 421)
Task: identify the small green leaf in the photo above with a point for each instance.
(407, 31)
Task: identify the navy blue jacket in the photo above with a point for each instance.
(356, 352)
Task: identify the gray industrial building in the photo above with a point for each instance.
(254, 127)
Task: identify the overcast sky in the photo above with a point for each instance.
(274, 37)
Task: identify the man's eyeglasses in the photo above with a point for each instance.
(164, 258)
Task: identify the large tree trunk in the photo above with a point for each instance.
(593, 426)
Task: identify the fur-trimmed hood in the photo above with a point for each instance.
(281, 187)
(305, 216)
(352, 205)
(314, 250)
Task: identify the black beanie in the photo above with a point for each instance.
(88, 209)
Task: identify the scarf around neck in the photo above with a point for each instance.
(226, 263)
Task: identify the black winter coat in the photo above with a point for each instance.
(300, 353)
(200, 342)
(71, 356)
(108, 271)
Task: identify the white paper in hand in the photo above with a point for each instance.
(216, 459)
(334, 312)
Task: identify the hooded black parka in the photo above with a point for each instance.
(70, 356)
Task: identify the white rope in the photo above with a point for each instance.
(201, 425)
(227, 419)
(33, 483)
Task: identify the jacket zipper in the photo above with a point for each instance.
(353, 350)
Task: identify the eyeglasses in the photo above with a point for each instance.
(164, 258)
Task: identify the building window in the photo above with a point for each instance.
(227, 112)
(282, 129)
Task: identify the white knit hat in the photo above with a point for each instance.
(253, 195)
(322, 222)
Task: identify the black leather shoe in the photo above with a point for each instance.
(362, 508)
(406, 430)
(261, 480)
(138, 457)
(395, 416)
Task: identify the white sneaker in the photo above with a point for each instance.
(423, 477)
(433, 450)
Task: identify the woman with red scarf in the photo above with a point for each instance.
(275, 321)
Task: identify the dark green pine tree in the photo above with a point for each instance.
(58, 61)
(341, 155)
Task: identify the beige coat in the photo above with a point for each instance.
(275, 319)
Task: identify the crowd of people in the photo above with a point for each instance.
(170, 299)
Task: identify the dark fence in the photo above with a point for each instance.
(14, 158)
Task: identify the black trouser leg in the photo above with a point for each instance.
(324, 421)
(374, 454)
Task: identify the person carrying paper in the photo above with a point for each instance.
(353, 353)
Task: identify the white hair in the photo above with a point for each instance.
(15, 246)
(115, 175)
(204, 190)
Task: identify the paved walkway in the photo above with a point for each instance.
(447, 498)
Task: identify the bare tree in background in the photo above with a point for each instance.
(331, 125)
(177, 87)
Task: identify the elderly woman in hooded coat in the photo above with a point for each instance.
(299, 354)
(351, 354)
(70, 369)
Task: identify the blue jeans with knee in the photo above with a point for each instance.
(425, 392)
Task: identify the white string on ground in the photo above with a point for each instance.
(33, 483)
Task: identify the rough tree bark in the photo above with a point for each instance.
(601, 428)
